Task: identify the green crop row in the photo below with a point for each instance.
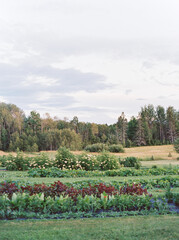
(123, 171)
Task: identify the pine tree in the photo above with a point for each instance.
(139, 136)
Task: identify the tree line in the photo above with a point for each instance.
(152, 126)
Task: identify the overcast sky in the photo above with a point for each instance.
(89, 58)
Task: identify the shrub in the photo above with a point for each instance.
(131, 162)
(65, 159)
(87, 162)
(17, 163)
(116, 148)
(41, 161)
(2, 161)
(97, 147)
(176, 145)
(108, 161)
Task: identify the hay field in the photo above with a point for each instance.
(150, 155)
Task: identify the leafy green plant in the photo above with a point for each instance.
(108, 161)
(124, 172)
(2, 161)
(131, 162)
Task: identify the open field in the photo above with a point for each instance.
(125, 228)
(145, 153)
(160, 163)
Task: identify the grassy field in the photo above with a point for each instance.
(125, 228)
(146, 152)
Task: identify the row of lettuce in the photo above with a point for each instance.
(65, 159)
(59, 198)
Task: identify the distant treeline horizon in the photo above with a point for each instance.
(151, 126)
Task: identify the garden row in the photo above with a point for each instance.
(64, 159)
(123, 172)
(59, 198)
(58, 189)
(162, 182)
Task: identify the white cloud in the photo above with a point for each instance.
(40, 80)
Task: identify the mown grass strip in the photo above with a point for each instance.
(163, 227)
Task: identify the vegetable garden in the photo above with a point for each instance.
(85, 195)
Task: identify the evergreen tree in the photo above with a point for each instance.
(140, 136)
(122, 129)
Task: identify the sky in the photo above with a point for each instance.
(93, 59)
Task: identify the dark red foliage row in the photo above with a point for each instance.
(58, 188)
(8, 188)
(134, 189)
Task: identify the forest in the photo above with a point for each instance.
(152, 126)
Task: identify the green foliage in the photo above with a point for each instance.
(42, 161)
(97, 147)
(70, 139)
(116, 148)
(169, 194)
(87, 162)
(65, 159)
(142, 172)
(38, 203)
(108, 161)
(176, 145)
(124, 172)
(56, 172)
(33, 133)
(131, 162)
(17, 163)
(100, 147)
(3, 160)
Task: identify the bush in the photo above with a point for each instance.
(2, 161)
(41, 161)
(17, 163)
(108, 161)
(65, 159)
(131, 162)
(116, 148)
(87, 162)
(97, 147)
(176, 145)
